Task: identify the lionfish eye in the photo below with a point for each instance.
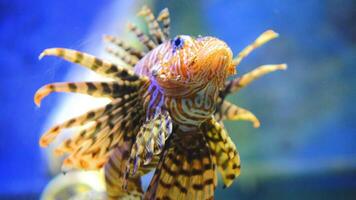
(177, 43)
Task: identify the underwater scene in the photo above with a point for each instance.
(178, 99)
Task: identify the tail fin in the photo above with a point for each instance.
(186, 169)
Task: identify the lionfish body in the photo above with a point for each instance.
(165, 113)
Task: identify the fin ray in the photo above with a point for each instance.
(143, 38)
(163, 17)
(230, 111)
(125, 47)
(114, 175)
(95, 64)
(223, 150)
(97, 89)
(243, 81)
(185, 171)
(123, 56)
(153, 26)
(108, 120)
(150, 140)
(262, 39)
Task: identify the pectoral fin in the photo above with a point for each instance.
(150, 139)
(224, 152)
(117, 185)
(185, 170)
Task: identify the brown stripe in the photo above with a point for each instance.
(230, 176)
(235, 166)
(209, 181)
(108, 107)
(90, 115)
(91, 87)
(116, 89)
(180, 187)
(55, 129)
(51, 87)
(227, 110)
(106, 88)
(112, 69)
(60, 52)
(123, 73)
(168, 170)
(70, 122)
(78, 57)
(97, 63)
(82, 133)
(165, 185)
(198, 186)
(166, 198)
(72, 87)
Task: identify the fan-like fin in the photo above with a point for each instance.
(124, 46)
(164, 18)
(243, 81)
(262, 39)
(97, 65)
(121, 124)
(150, 140)
(93, 152)
(153, 26)
(144, 39)
(186, 169)
(114, 175)
(96, 89)
(80, 120)
(90, 131)
(230, 111)
(223, 150)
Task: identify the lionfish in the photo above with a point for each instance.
(165, 113)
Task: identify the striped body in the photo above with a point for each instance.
(185, 80)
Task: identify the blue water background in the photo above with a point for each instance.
(307, 142)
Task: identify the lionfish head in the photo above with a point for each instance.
(194, 62)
